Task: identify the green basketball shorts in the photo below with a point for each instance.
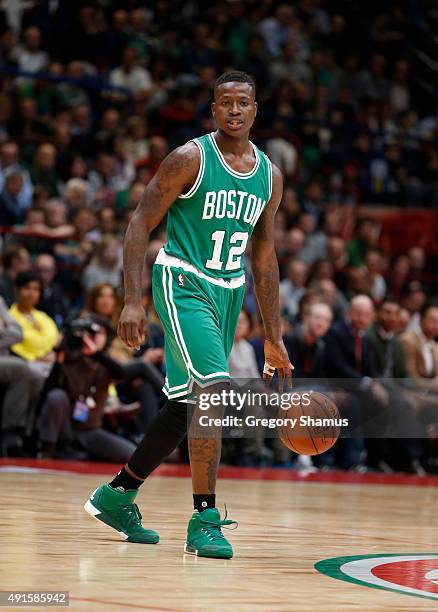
(199, 316)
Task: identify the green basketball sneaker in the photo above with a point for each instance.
(204, 535)
(116, 509)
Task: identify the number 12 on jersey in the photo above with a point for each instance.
(239, 239)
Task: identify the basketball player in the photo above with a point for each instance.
(217, 191)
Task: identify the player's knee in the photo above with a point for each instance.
(173, 417)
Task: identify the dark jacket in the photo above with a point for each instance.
(87, 377)
(10, 211)
(387, 358)
(53, 302)
(308, 361)
(340, 355)
(7, 289)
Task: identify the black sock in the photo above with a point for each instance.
(126, 481)
(202, 502)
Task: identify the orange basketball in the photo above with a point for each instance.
(311, 425)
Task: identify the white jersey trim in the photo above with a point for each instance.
(270, 177)
(194, 188)
(164, 259)
(240, 175)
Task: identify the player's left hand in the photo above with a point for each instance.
(276, 358)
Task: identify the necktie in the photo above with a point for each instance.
(358, 350)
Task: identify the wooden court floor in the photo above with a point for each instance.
(48, 542)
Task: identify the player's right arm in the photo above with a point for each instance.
(176, 174)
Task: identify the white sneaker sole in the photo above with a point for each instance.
(189, 552)
(94, 512)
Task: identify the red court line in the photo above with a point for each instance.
(183, 471)
(123, 604)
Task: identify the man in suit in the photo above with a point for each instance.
(348, 360)
(388, 363)
(305, 343)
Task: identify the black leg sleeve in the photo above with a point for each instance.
(162, 436)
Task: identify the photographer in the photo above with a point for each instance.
(76, 392)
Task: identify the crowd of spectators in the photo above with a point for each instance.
(119, 84)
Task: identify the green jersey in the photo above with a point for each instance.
(210, 226)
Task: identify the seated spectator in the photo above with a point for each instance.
(281, 151)
(337, 254)
(131, 76)
(306, 349)
(315, 246)
(333, 297)
(388, 363)
(53, 225)
(40, 334)
(52, 301)
(15, 259)
(313, 201)
(348, 359)
(293, 287)
(27, 127)
(373, 262)
(77, 390)
(305, 345)
(142, 380)
(399, 275)
(421, 353)
(107, 178)
(413, 300)
(242, 361)
(9, 158)
(128, 199)
(10, 211)
(78, 248)
(107, 134)
(295, 239)
(366, 238)
(403, 321)
(136, 144)
(29, 55)
(15, 387)
(77, 195)
(322, 270)
(243, 365)
(158, 149)
(421, 349)
(105, 267)
(74, 95)
(43, 170)
(417, 263)
(357, 282)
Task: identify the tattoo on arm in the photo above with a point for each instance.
(265, 265)
(266, 281)
(178, 170)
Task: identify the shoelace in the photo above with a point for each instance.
(213, 528)
(134, 514)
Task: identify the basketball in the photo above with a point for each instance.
(316, 424)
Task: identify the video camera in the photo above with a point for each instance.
(76, 329)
